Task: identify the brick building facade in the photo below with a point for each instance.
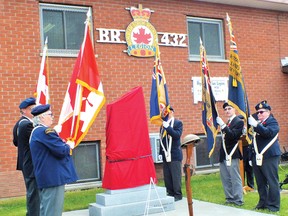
(261, 36)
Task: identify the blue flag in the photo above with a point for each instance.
(159, 93)
(209, 111)
(237, 96)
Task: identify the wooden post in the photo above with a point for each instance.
(189, 143)
(189, 149)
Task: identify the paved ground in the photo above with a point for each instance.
(199, 209)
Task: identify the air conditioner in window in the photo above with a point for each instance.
(155, 147)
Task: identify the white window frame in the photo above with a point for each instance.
(219, 23)
(61, 52)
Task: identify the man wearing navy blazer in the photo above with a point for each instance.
(21, 135)
(230, 156)
(170, 133)
(53, 164)
(266, 157)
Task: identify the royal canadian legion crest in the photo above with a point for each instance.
(141, 36)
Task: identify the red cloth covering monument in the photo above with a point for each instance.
(129, 161)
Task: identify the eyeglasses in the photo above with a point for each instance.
(261, 112)
(31, 107)
(51, 114)
(228, 108)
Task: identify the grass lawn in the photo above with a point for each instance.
(204, 187)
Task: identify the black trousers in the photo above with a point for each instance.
(173, 178)
(248, 170)
(267, 180)
(32, 197)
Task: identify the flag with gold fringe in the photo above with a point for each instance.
(237, 95)
(209, 110)
(84, 97)
(159, 92)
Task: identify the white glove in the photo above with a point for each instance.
(220, 122)
(165, 124)
(58, 128)
(250, 163)
(71, 144)
(252, 121)
(244, 131)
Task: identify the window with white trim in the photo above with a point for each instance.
(64, 27)
(211, 33)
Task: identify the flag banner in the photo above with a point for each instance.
(237, 95)
(42, 88)
(209, 111)
(159, 92)
(84, 97)
(129, 161)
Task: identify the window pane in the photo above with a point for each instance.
(86, 159)
(53, 27)
(202, 158)
(212, 39)
(211, 33)
(194, 37)
(75, 29)
(64, 25)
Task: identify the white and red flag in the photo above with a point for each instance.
(42, 88)
(84, 97)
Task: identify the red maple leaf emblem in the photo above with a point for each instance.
(142, 37)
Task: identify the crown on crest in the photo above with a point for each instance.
(140, 13)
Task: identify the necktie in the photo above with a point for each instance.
(228, 123)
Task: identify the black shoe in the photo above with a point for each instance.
(239, 203)
(228, 203)
(273, 210)
(177, 199)
(259, 208)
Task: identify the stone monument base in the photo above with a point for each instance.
(147, 199)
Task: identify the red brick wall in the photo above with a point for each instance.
(261, 35)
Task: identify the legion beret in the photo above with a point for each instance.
(27, 102)
(263, 105)
(37, 110)
(226, 104)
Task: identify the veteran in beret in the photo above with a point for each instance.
(52, 161)
(170, 139)
(230, 156)
(266, 156)
(25, 110)
(21, 134)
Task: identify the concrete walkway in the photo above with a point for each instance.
(200, 208)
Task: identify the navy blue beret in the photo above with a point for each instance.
(27, 102)
(226, 104)
(37, 110)
(263, 105)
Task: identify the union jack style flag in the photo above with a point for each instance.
(159, 92)
(237, 95)
(209, 110)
